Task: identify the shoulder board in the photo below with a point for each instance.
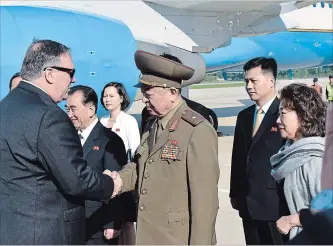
(192, 117)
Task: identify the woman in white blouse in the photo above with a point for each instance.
(115, 99)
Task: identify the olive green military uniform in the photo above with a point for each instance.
(177, 178)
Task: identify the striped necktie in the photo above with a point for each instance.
(259, 118)
(81, 138)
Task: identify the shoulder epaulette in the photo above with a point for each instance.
(192, 117)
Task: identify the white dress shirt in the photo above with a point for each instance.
(127, 128)
(264, 109)
(86, 132)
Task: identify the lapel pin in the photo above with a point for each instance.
(95, 148)
(174, 142)
(117, 130)
(274, 129)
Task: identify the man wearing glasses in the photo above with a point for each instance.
(44, 181)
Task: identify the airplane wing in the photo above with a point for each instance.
(184, 28)
(192, 25)
(212, 24)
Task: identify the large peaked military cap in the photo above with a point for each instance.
(158, 71)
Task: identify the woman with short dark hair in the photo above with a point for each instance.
(298, 164)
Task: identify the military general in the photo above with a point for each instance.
(175, 169)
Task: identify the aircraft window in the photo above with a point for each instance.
(330, 5)
(314, 5)
(322, 4)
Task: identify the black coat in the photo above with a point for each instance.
(102, 150)
(258, 195)
(43, 179)
(317, 228)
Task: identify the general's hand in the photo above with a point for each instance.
(111, 233)
(118, 183)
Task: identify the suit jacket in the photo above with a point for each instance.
(177, 181)
(43, 179)
(102, 150)
(257, 194)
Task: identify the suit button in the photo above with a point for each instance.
(146, 176)
(142, 208)
(150, 161)
(144, 192)
(249, 159)
(250, 174)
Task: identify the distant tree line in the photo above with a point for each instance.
(283, 74)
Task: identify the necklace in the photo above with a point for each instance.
(111, 122)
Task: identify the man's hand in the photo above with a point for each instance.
(118, 183)
(111, 233)
(285, 223)
(108, 172)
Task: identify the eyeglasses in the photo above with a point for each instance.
(71, 72)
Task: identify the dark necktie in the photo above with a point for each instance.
(152, 136)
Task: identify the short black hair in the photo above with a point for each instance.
(309, 106)
(121, 92)
(315, 80)
(266, 64)
(89, 95)
(12, 78)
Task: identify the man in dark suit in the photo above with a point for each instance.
(207, 113)
(44, 180)
(253, 191)
(102, 149)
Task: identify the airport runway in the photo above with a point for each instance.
(226, 103)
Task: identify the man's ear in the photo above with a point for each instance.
(92, 110)
(174, 91)
(272, 80)
(49, 76)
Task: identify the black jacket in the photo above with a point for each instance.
(43, 179)
(257, 194)
(102, 150)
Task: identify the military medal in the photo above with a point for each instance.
(170, 152)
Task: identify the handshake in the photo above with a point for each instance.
(118, 182)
